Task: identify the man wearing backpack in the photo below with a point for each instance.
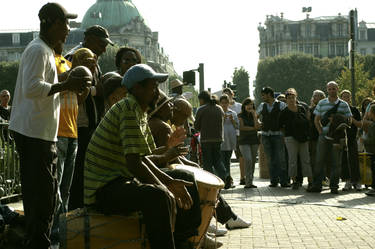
(272, 139)
(326, 147)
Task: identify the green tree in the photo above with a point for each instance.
(303, 72)
(363, 82)
(8, 75)
(241, 79)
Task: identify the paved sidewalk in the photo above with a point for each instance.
(286, 218)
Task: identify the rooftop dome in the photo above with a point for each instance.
(110, 14)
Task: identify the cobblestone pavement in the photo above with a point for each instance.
(286, 218)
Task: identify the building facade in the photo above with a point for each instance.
(320, 36)
(121, 18)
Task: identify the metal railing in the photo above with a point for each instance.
(10, 183)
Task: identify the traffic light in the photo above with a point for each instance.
(189, 77)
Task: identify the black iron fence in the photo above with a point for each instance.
(10, 183)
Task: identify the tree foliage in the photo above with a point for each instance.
(241, 79)
(303, 72)
(363, 82)
(8, 76)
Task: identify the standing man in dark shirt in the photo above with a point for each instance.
(90, 111)
(272, 138)
(350, 163)
(209, 120)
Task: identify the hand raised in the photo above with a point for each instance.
(177, 137)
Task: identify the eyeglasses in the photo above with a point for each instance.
(129, 60)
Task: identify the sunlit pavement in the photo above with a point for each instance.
(286, 218)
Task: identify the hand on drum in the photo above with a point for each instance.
(182, 196)
(173, 153)
(177, 137)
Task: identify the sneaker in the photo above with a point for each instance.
(216, 230)
(334, 191)
(371, 192)
(357, 186)
(325, 182)
(237, 223)
(347, 187)
(210, 243)
(242, 181)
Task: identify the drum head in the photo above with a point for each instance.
(202, 176)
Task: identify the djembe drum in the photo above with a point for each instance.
(208, 188)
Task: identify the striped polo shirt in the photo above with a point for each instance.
(324, 105)
(123, 130)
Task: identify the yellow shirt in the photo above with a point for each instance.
(68, 104)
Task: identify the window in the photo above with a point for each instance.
(301, 48)
(362, 35)
(332, 49)
(294, 47)
(308, 30)
(35, 35)
(316, 49)
(16, 38)
(363, 51)
(340, 30)
(340, 49)
(308, 48)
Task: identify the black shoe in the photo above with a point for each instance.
(334, 191)
(314, 190)
(250, 186)
(285, 185)
(295, 186)
(228, 182)
(273, 185)
(242, 182)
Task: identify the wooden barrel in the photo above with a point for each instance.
(80, 229)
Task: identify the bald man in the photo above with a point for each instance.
(325, 147)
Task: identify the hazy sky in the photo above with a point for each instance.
(221, 34)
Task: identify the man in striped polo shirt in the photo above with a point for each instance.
(326, 148)
(119, 177)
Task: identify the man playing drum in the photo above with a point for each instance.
(120, 175)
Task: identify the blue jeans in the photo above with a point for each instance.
(211, 158)
(324, 150)
(66, 153)
(274, 149)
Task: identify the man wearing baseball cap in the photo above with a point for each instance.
(34, 121)
(91, 111)
(120, 174)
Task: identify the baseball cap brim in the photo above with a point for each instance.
(107, 40)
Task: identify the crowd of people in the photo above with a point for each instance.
(109, 141)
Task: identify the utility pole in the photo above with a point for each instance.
(352, 53)
(201, 77)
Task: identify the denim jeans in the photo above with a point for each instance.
(249, 153)
(296, 149)
(211, 158)
(274, 149)
(66, 154)
(324, 150)
(226, 155)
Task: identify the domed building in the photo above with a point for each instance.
(126, 27)
(124, 23)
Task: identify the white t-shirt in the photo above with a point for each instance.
(236, 107)
(34, 113)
